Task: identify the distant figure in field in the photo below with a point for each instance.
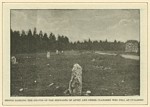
(13, 60)
(75, 84)
(57, 52)
(48, 55)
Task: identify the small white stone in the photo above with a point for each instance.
(107, 68)
(21, 89)
(122, 81)
(57, 87)
(35, 81)
(51, 84)
(88, 92)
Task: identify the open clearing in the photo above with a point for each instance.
(103, 75)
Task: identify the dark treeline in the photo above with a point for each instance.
(31, 41)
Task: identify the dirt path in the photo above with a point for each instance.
(134, 57)
(104, 53)
(131, 57)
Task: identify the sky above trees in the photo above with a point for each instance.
(78, 24)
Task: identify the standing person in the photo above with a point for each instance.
(75, 84)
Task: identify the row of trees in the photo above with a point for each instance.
(30, 42)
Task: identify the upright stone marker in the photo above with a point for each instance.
(48, 55)
(57, 52)
(75, 84)
(13, 60)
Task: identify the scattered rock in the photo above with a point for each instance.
(107, 68)
(35, 81)
(21, 89)
(122, 81)
(88, 92)
(47, 64)
(57, 87)
(51, 84)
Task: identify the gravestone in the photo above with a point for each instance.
(13, 60)
(48, 55)
(57, 52)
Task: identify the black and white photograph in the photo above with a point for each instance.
(74, 52)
